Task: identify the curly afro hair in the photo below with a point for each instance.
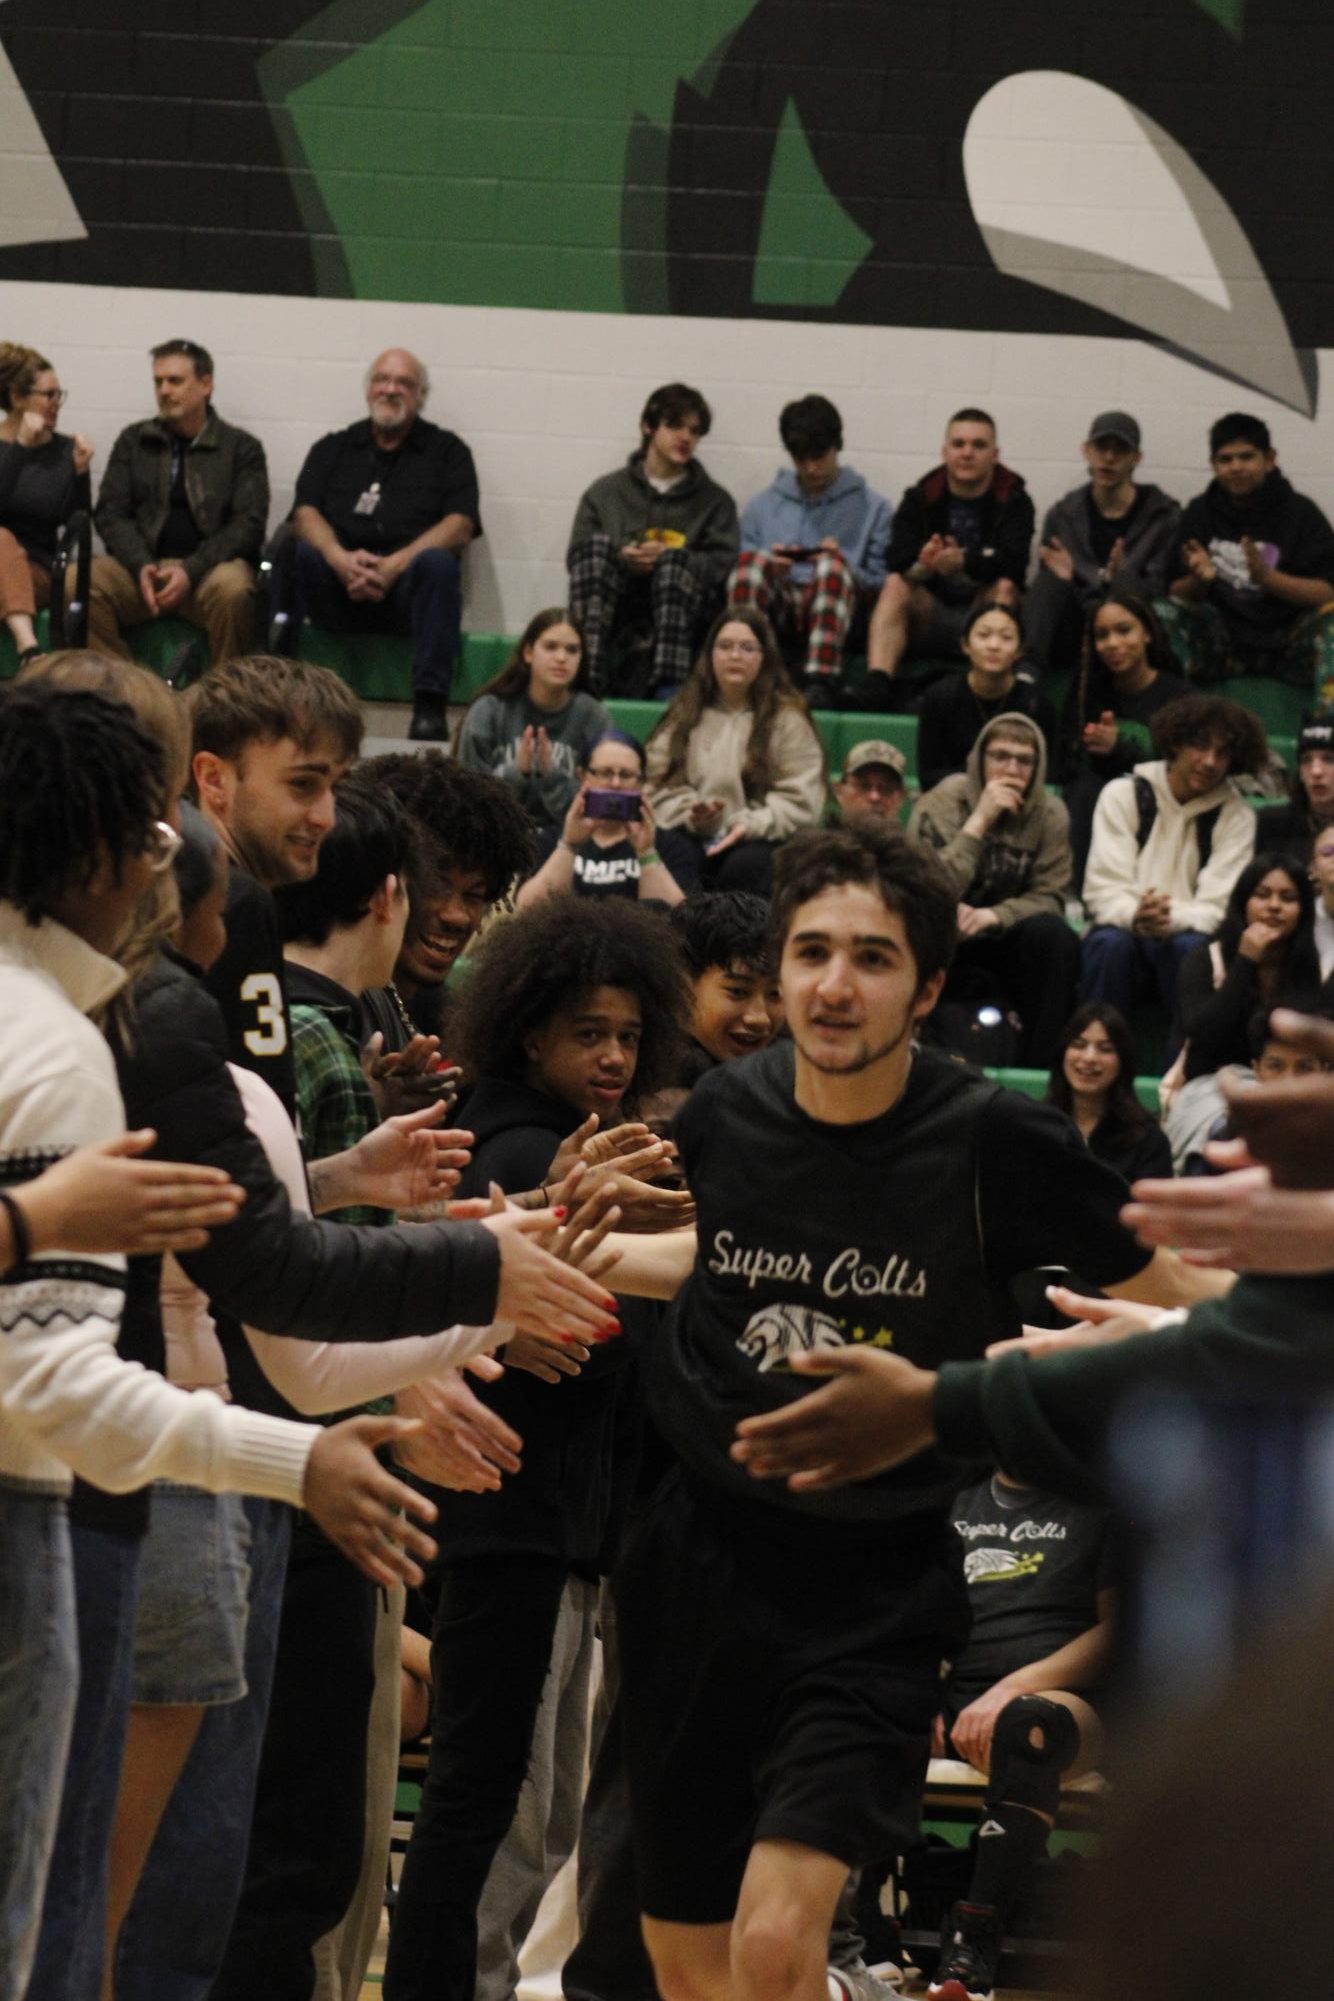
(549, 957)
(1194, 720)
(472, 821)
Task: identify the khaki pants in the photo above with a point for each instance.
(222, 603)
(342, 1955)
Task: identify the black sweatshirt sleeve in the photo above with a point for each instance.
(282, 1273)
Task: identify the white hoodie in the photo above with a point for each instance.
(1119, 871)
(66, 1397)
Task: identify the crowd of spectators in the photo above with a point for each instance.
(478, 1035)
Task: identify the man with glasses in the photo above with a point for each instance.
(1006, 847)
(384, 511)
(871, 786)
(182, 512)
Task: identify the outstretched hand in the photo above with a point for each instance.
(407, 1161)
(1097, 1321)
(366, 1511)
(874, 1415)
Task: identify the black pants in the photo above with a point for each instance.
(309, 1827)
(490, 1653)
(1035, 963)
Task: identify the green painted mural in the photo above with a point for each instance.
(880, 161)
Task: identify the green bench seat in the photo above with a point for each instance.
(1033, 1084)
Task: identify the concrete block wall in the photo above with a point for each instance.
(548, 400)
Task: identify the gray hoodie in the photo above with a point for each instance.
(1022, 867)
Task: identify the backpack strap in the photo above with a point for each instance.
(1204, 834)
(1146, 806)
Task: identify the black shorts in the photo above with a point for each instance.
(779, 1676)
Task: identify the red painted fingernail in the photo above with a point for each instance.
(559, 1213)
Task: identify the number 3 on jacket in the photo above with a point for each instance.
(269, 1036)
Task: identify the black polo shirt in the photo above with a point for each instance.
(430, 475)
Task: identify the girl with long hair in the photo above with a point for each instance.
(1093, 1082)
(1264, 955)
(1126, 673)
(535, 723)
(736, 763)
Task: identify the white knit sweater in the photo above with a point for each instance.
(67, 1400)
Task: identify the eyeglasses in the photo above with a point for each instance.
(56, 396)
(1022, 760)
(162, 846)
(619, 777)
(743, 646)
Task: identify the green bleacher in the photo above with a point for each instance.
(378, 669)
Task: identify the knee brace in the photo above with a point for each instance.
(1033, 1742)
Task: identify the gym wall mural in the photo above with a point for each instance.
(1161, 169)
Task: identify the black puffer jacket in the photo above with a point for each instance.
(282, 1273)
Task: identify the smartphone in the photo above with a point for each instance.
(606, 802)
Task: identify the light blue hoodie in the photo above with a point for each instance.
(852, 512)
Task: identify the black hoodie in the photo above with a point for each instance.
(1292, 534)
(560, 1504)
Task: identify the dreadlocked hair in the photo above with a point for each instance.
(81, 782)
(554, 954)
(771, 690)
(469, 820)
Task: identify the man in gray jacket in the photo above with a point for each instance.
(1006, 845)
(182, 511)
(651, 547)
(1113, 530)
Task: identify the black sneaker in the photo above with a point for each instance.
(970, 1946)
(824, 691)
(430, 721)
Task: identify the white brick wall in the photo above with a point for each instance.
(549, 400)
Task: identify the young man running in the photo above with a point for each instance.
(781, 1651)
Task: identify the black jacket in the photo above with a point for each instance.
(226, 484)
(1007, 526)
(282, 1273)
(1292, 531)
(561, 1503)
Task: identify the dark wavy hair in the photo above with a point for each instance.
(81, 781)
(1297, 972)
(908, 876)
(1199, 719)
(513, 676)
(548, 958)
(771, 690)
(1124, 1117)
(471, 821)
(724, 927)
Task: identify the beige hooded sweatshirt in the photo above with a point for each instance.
(1022, 867)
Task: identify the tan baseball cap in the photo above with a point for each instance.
(874, 751)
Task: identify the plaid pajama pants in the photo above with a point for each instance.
(604, 596)
(822, 609)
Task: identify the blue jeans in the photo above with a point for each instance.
(176, 1930)
(39, 1675)
(427, 601)
(1121, 967)
(68, 1966)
